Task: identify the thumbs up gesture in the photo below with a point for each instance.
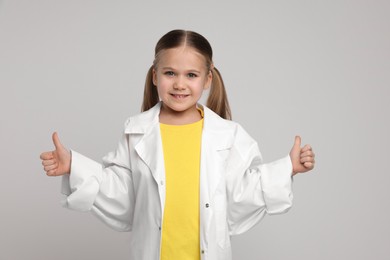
(302, 158)
(57, 162)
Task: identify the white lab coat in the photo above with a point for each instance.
(127, 192)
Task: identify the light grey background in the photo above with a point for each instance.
(315, 68)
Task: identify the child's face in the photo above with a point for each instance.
(181, 76)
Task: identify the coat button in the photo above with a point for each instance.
(207, 205)
(162, 182)
(202, 251)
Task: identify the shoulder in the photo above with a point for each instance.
(139, 123)
(216, 123)
(233, 129)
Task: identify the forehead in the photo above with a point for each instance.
(181, 57)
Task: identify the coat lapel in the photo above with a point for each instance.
(216, 142)
(150, 150)
(149, 147)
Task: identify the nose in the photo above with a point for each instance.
(179, 83)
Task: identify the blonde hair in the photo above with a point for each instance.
(217, 99)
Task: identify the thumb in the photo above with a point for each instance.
(56, 140)
(297, 142)
(296, 149)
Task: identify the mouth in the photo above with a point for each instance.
(179, 96)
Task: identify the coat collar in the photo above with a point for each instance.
(142, 123)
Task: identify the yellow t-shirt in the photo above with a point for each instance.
(180, 229)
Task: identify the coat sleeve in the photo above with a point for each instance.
(255, 189)
(104, 189)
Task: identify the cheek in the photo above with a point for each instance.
(163, 85)
(200, 86)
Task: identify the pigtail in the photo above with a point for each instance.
(217, 100)
(150, 92)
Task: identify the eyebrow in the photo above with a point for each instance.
(170, 68)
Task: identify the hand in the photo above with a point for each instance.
(57, 162)
(302, 158)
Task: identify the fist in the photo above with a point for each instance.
(302, 158)
(57, 162)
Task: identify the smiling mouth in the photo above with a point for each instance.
(179, 95)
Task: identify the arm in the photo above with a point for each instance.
(105, 190)
(255, 188)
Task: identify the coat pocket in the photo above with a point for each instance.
(223, 154)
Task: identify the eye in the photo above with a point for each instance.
(192, 75)
(169, 73)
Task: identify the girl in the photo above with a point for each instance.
(184, 177)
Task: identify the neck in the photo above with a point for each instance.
(172, 117)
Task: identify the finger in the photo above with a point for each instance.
(309, 165)
(307, 147)
(307, 154)
(306, 159)
(52, 172)
(48, 162)
(50, 167)
(56, 141)
(46, 156)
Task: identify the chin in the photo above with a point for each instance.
(180, 107)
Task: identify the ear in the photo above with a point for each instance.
(209, 79)
(154, 76)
